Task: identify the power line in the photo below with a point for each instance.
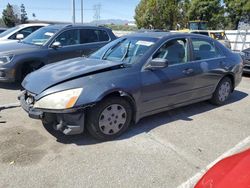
(97, 12)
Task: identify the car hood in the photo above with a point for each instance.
(56, 73)
(13, 47)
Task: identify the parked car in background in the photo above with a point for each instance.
(231, 172)
(20, 32)
(245, 54)
(47, 45)
(2, 29)
(215, 34)
(130, 78)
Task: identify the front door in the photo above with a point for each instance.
(70, 46)
(172, 85)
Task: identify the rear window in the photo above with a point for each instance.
(93, 35)
(204, 49)
(218, 36)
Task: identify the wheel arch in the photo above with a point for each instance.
(25, 63)
(127, 96)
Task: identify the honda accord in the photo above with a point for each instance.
(130, 78)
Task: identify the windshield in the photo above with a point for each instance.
(41, 36)
(198, 26)
(127, 50)
(8, 31)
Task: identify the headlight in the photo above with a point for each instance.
(5, 59)
(60, 100)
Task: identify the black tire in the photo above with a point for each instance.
(94, 114)
(217, 99)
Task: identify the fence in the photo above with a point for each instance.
(239, 39)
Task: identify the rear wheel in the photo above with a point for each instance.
(222, 91)
(109, 118)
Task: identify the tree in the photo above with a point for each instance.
(9, 16)
(157, 14)
(237, 10)
(207, 10)
(24, 17)
(34, 15)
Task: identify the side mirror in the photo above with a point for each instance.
(19, 36)
(56, 44)
(157, 63)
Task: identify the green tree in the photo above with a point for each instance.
(236, 10)
(9, 17)
(207, 10)
(24, 17)
(157, 14)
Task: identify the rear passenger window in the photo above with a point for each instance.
(102, 35)
(204, 49)
(92, 35)
(88, 36)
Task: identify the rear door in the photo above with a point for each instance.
(210, 62)
(172, 85)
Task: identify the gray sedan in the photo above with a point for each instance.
(130, 78)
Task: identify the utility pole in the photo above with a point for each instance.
(73, 12)
(82, 11)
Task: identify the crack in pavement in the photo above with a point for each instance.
(190, 159)
(8, 106)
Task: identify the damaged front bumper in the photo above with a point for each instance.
(69, 121)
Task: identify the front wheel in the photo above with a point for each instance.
(109, 118)
(222, 91)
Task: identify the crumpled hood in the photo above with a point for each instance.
(62, 71)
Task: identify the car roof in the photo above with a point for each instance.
(61, 26)
(32, 24)
(160, 35)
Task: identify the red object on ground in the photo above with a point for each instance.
(231, 172)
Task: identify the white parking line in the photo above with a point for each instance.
(191, 181)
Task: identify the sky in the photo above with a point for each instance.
(60, 10)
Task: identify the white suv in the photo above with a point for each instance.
(20, 32)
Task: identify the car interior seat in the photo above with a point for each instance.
(175, 53)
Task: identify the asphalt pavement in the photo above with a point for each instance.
(164, 150)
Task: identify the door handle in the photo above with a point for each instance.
(188, 71)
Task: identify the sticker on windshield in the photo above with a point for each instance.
(49, 34)
(144, 43)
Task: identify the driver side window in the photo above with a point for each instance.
(175, 51)
(68, 38)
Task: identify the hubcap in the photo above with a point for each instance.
(224, 91)
(112, 119)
